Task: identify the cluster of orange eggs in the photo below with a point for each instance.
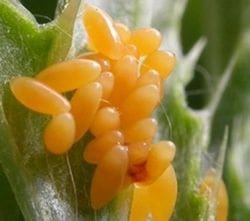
(116, 87)
(122, 127)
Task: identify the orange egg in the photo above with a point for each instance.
(157, 199)
(98, 147)
(161, 61)
(38, 97)
(139, 104)
(101, 32)
(70, 75)
(85, 103)
(126, 73)
(146, 40)
(142, 130)
(123, 32)
(150, 77)
(159, 158)
(105, 120)
(165, 189)
(140, 209)
(109, 176)
(59, 134)
(106, 79)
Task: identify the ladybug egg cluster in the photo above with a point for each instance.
(115, 88)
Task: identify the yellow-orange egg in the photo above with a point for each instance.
(146, 40)
(69, 75)
(142, 130)
(164, 188)
(101, 32)
(85, 103)
(139, 104)
(159, 158)
(157, 199)
(98, 147)
(59, 134)
(150, 77)
(126, 73)
(161, 61)
(107, 80)
(140, 209)
(109, 176)
(38, 97)
(105, 120)
(123, 31)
